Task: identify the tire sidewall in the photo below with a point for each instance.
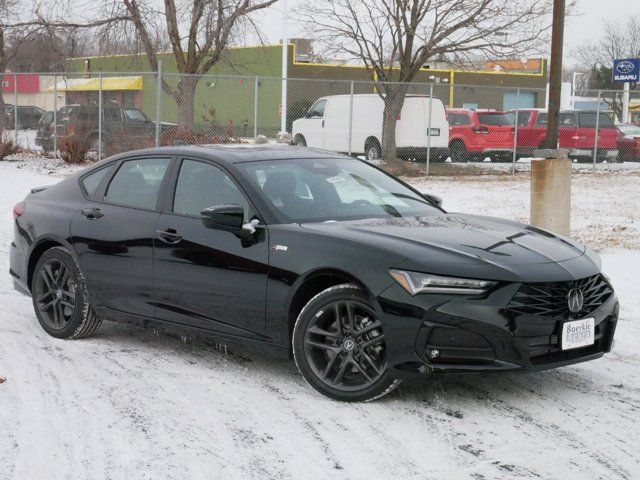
(82, 298)
(381, 387)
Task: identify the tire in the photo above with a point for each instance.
(372, 150)
(300, 141)
(458, 152)
(60, 296)
(343, 360)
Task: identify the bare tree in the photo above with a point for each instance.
(395, 38)
(620, 40)
(198, 32)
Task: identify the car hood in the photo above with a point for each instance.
(475, 241)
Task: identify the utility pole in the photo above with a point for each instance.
(555, 75)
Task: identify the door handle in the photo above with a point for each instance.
(92, 213)
(170, 236)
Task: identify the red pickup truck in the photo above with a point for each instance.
(577, 133)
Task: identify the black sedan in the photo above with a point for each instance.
(360, 278)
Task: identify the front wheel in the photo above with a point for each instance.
(60, 296)
(339, 346)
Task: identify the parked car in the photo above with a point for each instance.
(359, 277)
(117, 122)
(28, 117)
(629, 142)
(326, 126)
(477, 134)
(577, 133)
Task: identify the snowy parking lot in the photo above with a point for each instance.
(130, 404)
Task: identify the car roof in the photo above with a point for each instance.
(238, 153)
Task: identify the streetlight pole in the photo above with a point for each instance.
(555, 74)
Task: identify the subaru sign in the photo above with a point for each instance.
(626, 70)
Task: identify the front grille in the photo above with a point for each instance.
(550, 299)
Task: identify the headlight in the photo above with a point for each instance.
(414, 283)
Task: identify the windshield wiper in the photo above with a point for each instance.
(390, 209)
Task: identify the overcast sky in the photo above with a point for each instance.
(580, 29)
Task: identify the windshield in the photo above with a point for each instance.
(320, 190)
(630, 130)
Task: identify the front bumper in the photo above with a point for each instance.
(472, 334)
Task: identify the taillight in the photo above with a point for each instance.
(18, 210)
(481, 130)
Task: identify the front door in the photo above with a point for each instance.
(113, 233)
(204, 277)
(314, 125)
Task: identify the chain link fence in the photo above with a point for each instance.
(94, 115)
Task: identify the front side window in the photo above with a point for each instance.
(319, 190)
(317, 110)
(542, 118)
(112, 115)
(137, 183)
(201, 185)
(589, 120)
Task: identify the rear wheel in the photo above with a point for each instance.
(372, 150)
(300, 141)
(458, 152)
(60, 296)
(339, 346)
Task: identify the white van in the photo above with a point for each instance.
(326, 126)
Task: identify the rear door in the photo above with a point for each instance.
(113, 232)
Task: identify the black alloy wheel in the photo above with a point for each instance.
(458, 152)
(55, 293)
(339, 346)
(60, 296)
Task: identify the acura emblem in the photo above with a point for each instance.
(575, 300)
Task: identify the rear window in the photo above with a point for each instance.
(493, 119)
(588, 119)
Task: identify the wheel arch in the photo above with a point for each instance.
(312, 284)
(38, 249)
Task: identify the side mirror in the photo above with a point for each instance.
(433, 198)
(223, 217)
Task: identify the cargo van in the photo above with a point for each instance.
(326, 126)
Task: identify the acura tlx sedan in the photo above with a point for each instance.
(360, 278)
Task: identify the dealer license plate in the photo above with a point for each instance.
(578, 333)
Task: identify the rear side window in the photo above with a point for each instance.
(589, 120)
(458, 119)
(91, 182)
(137, 183)
(493, 119)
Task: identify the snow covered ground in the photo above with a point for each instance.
(129, 404)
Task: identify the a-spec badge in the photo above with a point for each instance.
(279, 248)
